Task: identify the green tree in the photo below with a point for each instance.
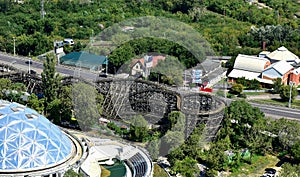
(176, 154)
(99, 101)
(288, 133)
(277, 84)
(35, 103)
(170, 71)
(54, 110)
(172, 140)
(243, 124)
(85, 107)
(193, 146)
(237, 88)
(5, 84)
(215, 157)
(296, 150)
(175, 136)
(187, 167)
(254, 85)
(65, 96)
(153, 148)
(138, 128)
(285, 92)
(176, 121)
(289, 170)
(71, 173)
(50, 81)
(5, 5)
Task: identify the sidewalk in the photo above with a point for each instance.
(263, 97)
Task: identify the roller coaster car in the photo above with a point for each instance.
(28, 62)
(32, 72)
(103, 75)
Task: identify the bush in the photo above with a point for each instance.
(242, 95)
(229, 95)
(237, 88)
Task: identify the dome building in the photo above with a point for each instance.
(30, 145)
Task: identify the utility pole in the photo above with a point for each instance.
(106, 66)
(225, 93)
(291, 87)
(14, 46)
(42, 9)
(29, 61)
(185, 80)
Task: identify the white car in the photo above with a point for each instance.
(69, 41)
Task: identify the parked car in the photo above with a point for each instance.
(103, 75)
(270, 172)
(28, 62)
(32, 72)
(69, 41)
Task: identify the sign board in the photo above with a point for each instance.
(196, 76)
(148, 60)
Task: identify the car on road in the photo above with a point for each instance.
(103, 75)
(28, 62)
(270, 172)
(32, 72)
(69, 41)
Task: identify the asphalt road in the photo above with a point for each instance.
(19, 62)
(278, 112)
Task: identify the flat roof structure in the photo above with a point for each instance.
(84, 60)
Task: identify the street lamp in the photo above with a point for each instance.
(29, 60)
(225, 92)
(291, 87)
(14, 46)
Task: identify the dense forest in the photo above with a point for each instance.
(230, 27)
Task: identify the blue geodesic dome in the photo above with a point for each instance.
(28, 140)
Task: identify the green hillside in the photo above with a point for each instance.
(226, 25)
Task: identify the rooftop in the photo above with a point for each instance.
(282, 53)
(84, 59)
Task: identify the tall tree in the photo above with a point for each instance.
(277, 84)
(243, 124)
(287, 91)
(35, 103)
(290, 170)
(65, 96)
(84, 101)
(153, 148)
(5, 84)
(50, 81)
(187, 167)
(170, 71)
(138, 128)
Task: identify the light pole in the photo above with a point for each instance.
(29, 60)
(225, 93)
(291, 87)
(13, 62)
(14, 46)
(79, 68)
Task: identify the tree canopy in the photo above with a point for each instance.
(225, 24)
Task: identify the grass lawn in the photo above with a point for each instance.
(257, 168)
(104, 172)
(278, 102)
(256, 93)
(159, 172)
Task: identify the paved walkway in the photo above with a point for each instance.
(263, 97)
(266, 96)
